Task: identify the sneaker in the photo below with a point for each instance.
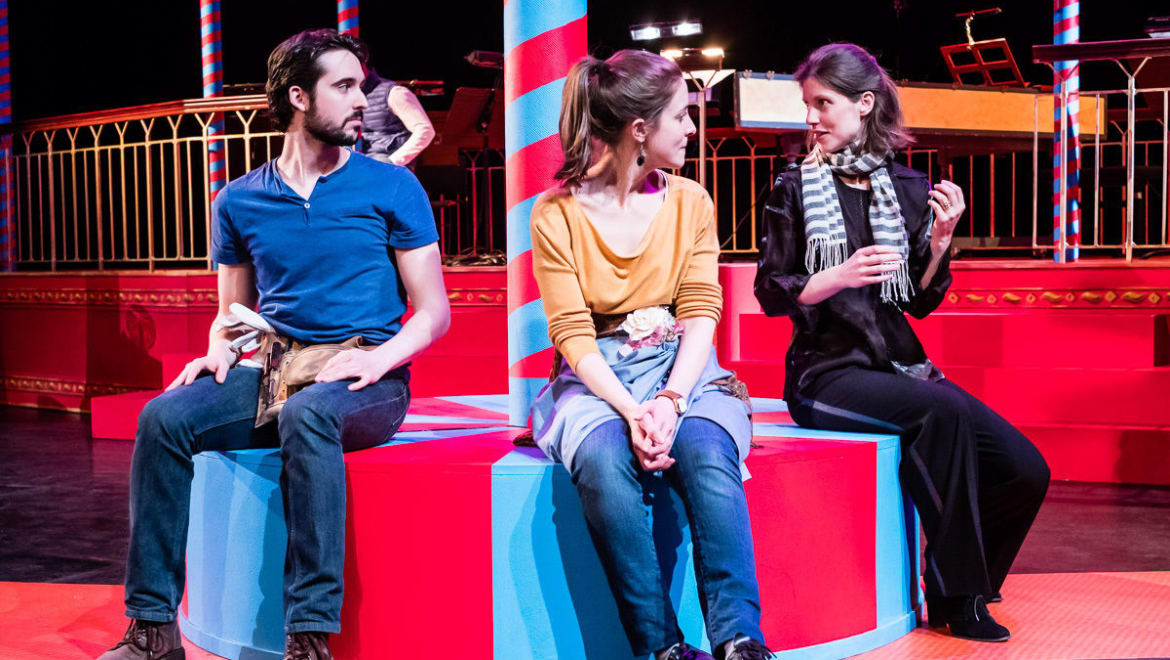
(967, 617)
(746, 648)
(148, 640)
(307, 646)
(684, 651)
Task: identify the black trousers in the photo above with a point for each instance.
(976, 481)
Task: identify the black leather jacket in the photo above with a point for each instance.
(853, 327)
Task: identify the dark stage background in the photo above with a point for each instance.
(77, 56)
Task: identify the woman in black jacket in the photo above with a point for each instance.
(853, 242)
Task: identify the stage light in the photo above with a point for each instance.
(645, 32)
(695, 59)
(653, 31)
(486, 59)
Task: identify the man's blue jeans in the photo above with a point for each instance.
(315, 427)
(706, 476)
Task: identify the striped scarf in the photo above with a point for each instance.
(824, 224)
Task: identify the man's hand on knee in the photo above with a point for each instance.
(366, 366)
(218, 360)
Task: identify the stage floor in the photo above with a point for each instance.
(1092, 580)
(1052, 616)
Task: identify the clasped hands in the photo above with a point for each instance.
(652, 426)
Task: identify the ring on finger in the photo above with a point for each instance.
(946, 204)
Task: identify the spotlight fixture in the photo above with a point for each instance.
(653, 31)
(695, 59)
(485, 59)
(645, 32)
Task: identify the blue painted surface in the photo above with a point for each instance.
(235, 555)
(550, 595)
(527, 321)
(519, 236)
(519, 406)
(494, 402)
(540, 123)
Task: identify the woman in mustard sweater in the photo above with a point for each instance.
(625, 256)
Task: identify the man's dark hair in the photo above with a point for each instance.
(294, 62)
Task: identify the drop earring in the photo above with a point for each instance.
(641, 155)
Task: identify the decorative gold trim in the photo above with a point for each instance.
(111, 297)
(44, 385)
(1063, 298)
(477, 297)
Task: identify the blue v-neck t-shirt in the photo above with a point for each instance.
(325, 266)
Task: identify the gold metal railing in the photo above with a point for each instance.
(127, 188)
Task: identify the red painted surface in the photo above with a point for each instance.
(69, 338)
(1081, 366)
(820, 565)
(418, 548)
(1046, 338)
(1089, 363)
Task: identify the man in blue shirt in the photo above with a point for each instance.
(326, 244)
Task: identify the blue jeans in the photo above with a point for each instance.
(706, 476)
(316, 425)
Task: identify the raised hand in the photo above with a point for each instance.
(946, 199)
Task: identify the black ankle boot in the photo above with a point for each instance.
(967, 617)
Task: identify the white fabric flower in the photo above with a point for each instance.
(642, 323)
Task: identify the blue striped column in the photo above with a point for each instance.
(1066, 143)
(347, 17)
(211, 48)
(541, 41)
(8, 255)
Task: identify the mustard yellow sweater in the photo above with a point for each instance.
(578, 274)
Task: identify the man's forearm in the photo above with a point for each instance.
(421, 330)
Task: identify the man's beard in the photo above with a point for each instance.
(334, 136)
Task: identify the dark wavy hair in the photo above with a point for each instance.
(294, 62)
(850, 70)
(602, 96)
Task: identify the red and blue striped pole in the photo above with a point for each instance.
(541, 41)
(211, 46)
(347, 17)
(8, 254)
(1066, 143)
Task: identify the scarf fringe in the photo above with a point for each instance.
(821, 252)
(898, 287)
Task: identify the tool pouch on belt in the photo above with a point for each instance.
(290, 366)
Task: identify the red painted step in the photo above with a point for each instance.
(1033, 395)
(115, 417)
(1106, 338)
(1104, 453)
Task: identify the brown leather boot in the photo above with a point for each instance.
(307, 646)
(148, 640)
